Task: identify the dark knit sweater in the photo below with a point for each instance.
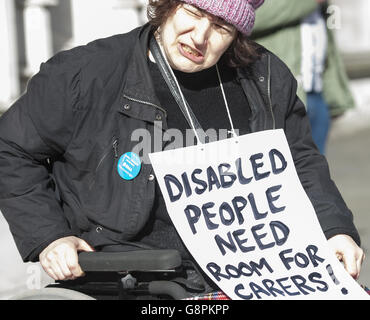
(203, 93)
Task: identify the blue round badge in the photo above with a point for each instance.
(129, 166)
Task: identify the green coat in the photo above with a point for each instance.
(278, 29)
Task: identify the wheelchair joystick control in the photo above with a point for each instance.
(128, 282)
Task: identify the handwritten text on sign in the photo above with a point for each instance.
(240, 209)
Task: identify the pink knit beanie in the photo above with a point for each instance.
(239, 13)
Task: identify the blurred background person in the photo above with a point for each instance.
(299, 35)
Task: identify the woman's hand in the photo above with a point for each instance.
(349, 252)
(60, 259)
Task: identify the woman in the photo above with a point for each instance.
(81, 110)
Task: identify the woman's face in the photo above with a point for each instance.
(193, 40)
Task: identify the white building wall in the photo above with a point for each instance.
(9, 75)
(38, 33)
(93, 19)
(353, 32)
(45, 34)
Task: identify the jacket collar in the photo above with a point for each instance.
(139, 83)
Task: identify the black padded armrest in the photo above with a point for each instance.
(141, 260)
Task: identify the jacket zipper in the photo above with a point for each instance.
(269, 93)
(109, 150)
(115, 148)
(147, 103)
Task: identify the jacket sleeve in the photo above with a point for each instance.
(37, 127)
(273, 14)
(312, 167)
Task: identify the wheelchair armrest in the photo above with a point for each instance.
(140, 260)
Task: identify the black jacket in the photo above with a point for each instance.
(59, 144)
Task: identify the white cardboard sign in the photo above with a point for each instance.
(242, 212)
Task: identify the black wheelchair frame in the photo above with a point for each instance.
(131, 275)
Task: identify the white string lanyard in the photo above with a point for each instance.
(226, 103)
(186, 106)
